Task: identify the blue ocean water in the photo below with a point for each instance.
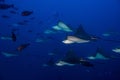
(30, 45)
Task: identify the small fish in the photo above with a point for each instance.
(5, 16)
(13, 36)
(25, 21)
(6, 6)
(22, 23)
(49, 32)
(15, 8)
(38, 40)
(30, 31)
(13, 12)
(56, 15)
(5, 38)
(106, 34)
(6, 54)
(15, 29)
(32, 18)
(26, 13)
(23, 46)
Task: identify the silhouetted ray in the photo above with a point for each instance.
(71, 58)
(86, 63)
(99, 55)
(51, 62)
(80, 33)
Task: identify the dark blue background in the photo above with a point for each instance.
(96, 16)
